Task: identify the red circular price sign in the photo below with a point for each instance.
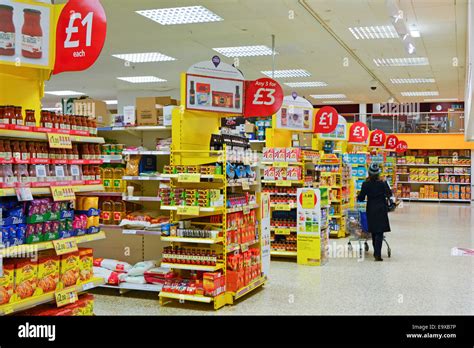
(391, 142)
(358, 133)
(80, 35)
(326, 120)
(377, 138)
(402, 146)
(263, 97)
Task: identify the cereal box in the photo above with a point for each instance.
(293, 173)
(268, 154)
(279, 154)
(26, 279)
(85, 263)
(280, 173)
(48, 272)
(293, 154)
(7, 282)
(269, 173)
(69, 269)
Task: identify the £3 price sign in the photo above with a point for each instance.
(263, 97)
(80, 35)
(358, 133)
(377, 138)
(392, 142)
(401, 147)
(326, 120)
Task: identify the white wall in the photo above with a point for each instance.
(126, 98)
(469, 91)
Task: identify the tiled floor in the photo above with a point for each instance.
(421, 277)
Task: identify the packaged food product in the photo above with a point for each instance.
(113, 265)
(268, 154)
(26, 278)
(86, 263)
(69, 269)
(48, 272)
(7, 282)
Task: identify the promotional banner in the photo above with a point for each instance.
(25, 35)
(265, 231)
(308, 226)
(215, 86)
(340, 133)
(377, 138)
(401, 147)
(392, 142)
(326, 120)
(263, 97)
(358, 133)
(80, 35)
(296, 113)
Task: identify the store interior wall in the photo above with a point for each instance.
(469, 91)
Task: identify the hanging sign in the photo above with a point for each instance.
(340, 133)
(215, 86)
(25, 34)
(392, 142)
(80, 35)
(263, 97)
(296, 113)
(358, 133)
(377, 138)
(326, 120)
(401, 147)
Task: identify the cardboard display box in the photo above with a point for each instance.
(96, 109)
(150, 110)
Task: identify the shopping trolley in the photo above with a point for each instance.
(357, 225)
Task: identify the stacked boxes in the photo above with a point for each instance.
(424, 174)
(191, 197)
(279, 154)
(291, 155)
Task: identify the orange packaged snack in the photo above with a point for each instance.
(69, 269)
(86, 260)
(26, 279)
(7, 282)
(48, 272)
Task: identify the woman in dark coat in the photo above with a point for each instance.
(377, 192)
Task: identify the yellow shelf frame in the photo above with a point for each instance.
(6, 192)
(24, 135)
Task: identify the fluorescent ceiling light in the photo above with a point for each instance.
(141, 79)
(181, 15)
(52, 109)
(338, 102)
(287, 73)
(414, 80)
(401, 61)
(377, 32)
(328, 96)
(415, 33)
(144, 57)
(420, 94)
(64, 93)
(111, 102)
(244, 51)
(306, 84)
(442, 100)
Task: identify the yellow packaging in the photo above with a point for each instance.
(26, 279)
(48, 272)
(7, 283)
(90, 203)
(86, 263)
(69, 269)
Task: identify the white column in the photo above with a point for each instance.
(363, 113)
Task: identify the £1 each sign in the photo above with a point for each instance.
(326, 120)
(359, 133)
(391, 142)
(80, 35)
(263, 97)
(377, 138)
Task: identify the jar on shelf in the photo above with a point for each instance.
(32, 35)
(7, 31)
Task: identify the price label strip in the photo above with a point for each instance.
(280, 164)
(24, 194)
(59, 141)
(283, 207)
(65, 297)
(194, 211)
(283, 183)
(283, 231)
(65, 246)
(189, 177)
(245, 185)
(63, 193)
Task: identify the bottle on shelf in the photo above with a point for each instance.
(119, 211)
(107, 212)
(108, 175)
(119, 172)
(30, 119)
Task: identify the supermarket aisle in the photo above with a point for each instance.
(420, 278)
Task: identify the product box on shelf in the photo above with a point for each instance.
(214, 283)
(86, 260)
(7, 282)
(96, 109)
(26, 279)
(48, 272)
(269, 173)
(150, 110)
(268, 154)
(70, 269)
(293, 154)
(279, 154)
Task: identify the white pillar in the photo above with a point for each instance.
(363, 113)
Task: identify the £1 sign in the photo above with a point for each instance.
(377, 138)
(80, 35)
(392, 142)
(359, 133)
(326, 120)
(263, 97)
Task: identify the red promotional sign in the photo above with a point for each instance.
(392, 142)
(377, 138)
(358, 133)
(402, 146)
(80, 35)
(263, 97)
(326, 120)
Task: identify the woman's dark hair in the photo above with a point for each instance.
(375, 177)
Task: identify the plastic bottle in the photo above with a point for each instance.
(119, 172)
(108, 175)
(119, 212)
(107, 212)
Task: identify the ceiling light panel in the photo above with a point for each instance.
(442, 100)
(64, 93)
(415, 33)
(338, 102)
(287, 73)
(244, 51)
(141, 79)
(401, 61)
(181, 15)
(111, 102)
(415, 80)
(372, 33)
(420, 94)
(328, 96)
(306, 84)
(144, 57)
